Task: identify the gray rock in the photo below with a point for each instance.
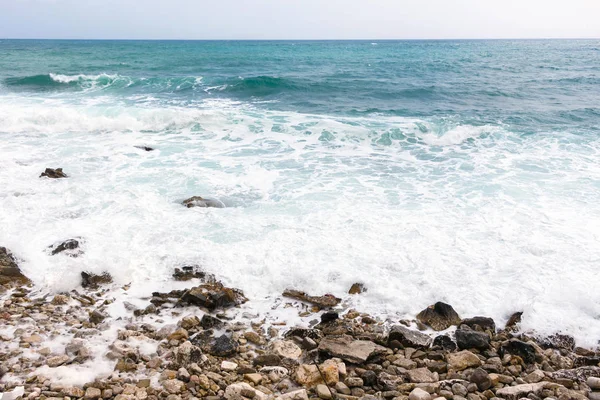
(197, 201)
(408, 338)
(69, 247)
(323, 392)
(593, 383)
(422, 375)
(519, 391)
(349, 349)
(481, 378)
(419, 394)
(469, 339)
(439, 316)
(480, 323)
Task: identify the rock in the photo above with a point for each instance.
(69, 247)
(445, 342)
(354, 382)
(581, 374)
(535, 377)
(514, 320)
(223, 346)
(238, 391)
(593, 383)
(519, 391)
(462, 360)
(9, 270)
(329, 316)
(459, 390)
(73, 392)
(253, 337)
(267, 360)
(468, 339)
(97, 317)
(212, 296)
(92, 393)
(145, 148)
(408, 338)
(57, 361)
(286, 349)
(325, 301)
(558, 341)
(254, 378)
(419, 394)
(323, 392)
(189, 272)
(53, 173)
(349, 349)
(210, 322)
(480, 323)
(586, 361)
(519, 348)
(342, 388)
(309, 375)
(439, 316)
(295, 395)
(422, 375)
(228, 366)
(173, 386)
(93, 281)
(197, 201)
(189, 322)
(357, 288)
(481, 378)
(60, 300)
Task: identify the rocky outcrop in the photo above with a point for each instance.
(212, 296)
(9, 269)
(325, 301)
(53, 173)
(197, 201)
(69, 247)
(439, 316)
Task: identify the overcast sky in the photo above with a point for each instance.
(299, 19)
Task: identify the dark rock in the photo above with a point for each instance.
(514, 320)
(480, 323)
(97, 317)
(439, 316)
(408, 338)
(518, 348)
(93, 281)
(369, 378)
(268, 360)
(145, 148)
(558, 341)
(222, 346)
(468, 339)
(325, 301)
(586, 361)
(54, 173)
(445, 342)
(209, 322)
(357, 288)
(190, 272)
(329, 316)
(9, 269)
(197, 201)
(68, 246)
(314, 334)
(212, 296)
(481, 378)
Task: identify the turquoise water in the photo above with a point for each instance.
(463, 171)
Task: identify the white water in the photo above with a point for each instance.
(420, 211)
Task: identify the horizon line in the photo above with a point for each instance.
(306, 40)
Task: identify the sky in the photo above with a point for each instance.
(299, 19)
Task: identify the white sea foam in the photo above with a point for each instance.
(420, 211)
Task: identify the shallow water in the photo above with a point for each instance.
(465, 171)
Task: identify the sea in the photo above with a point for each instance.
(462, 171)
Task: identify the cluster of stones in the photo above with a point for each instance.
(347, 355)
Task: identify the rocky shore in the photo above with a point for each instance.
(198, 343)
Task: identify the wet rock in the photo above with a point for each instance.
(73, 392)
(462, 360)
(519, 391)
(309, 375)
(145, 148)
(481, 378)
(53, 173)
(210, 322)
(97, 317)
(445, 342)
(519, 348)
(584, 361)
(325, 301)
(186, 354)
(286, 349)
(329, 316)
(357, 288)
(349, 349)
(189, 322)
(9, 270)
(558, 341)
(408, 338)
(60, 300)
(69, 247)
(314, 334)
(223, 346)
(439, 316)
(189, 272)
(468, 339)
(57, 361)
(93, 281)
(212, 296)
(419, 394)
(514, 320)
(197, 201)
(483, 324)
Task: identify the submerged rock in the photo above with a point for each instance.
(514, 320)
(197, 201)
(212, 296)
(69, 247)
(349, 349)
(189, 272)
(325, 301)
(408, 338)
(93, 281)
(53, 173)
(357, 288)
(9, 269)
(439, 316)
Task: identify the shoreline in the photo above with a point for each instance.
(200, 343)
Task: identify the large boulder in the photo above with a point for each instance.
(439, 316)
(53, 173)
(468, 339)
(483, 324)
(519, 348)
(325, 301)
(407, 337)
(197, 201)
(212, 296)
(349, 349)
(9, 269)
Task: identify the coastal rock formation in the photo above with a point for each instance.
(69, 247)
(439, 316)
(9, 269)
(93, 281)
(325, 301)
(212, 296)
(53, 173)
(197, 201)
